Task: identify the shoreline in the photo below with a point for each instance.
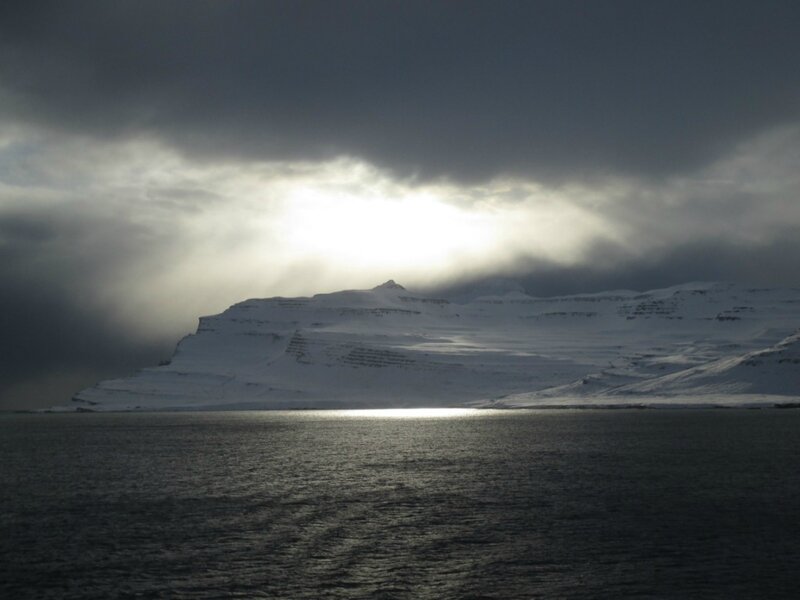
(789, 404)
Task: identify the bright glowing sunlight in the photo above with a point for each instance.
(391, 232)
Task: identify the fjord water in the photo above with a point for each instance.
(470, 504)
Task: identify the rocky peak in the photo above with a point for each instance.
(389, 285)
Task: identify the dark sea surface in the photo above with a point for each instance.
(483, 504)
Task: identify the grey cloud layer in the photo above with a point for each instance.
(772, 262)
(465, 90)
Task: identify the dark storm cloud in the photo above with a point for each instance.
(48, 335)
(54, 339)
(466, 90)
(17, 232)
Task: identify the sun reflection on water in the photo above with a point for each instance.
(409, 413)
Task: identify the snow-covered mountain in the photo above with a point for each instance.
(698, 343)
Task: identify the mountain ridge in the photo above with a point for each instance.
(390, 347)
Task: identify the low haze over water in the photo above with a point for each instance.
(372, 504)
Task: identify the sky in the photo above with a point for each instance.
(162, 160)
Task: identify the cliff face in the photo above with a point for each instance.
(388, 347)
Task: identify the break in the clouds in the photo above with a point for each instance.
(159, 161)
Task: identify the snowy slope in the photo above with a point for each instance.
(774, 370)
(388, 347)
